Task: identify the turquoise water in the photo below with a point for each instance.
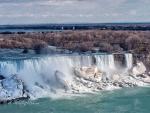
(135, 100)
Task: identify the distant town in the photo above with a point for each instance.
(78, 26)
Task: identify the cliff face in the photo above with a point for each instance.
(136, 42)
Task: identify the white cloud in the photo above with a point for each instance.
(51, 11)
(133, 12)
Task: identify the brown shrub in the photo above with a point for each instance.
(105, 40)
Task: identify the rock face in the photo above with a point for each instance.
(11, 89)
(2, 77)
(139, 69)
(91, 73)
(60, 81)
(84, 80)
(115, 77)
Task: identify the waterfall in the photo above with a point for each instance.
(105, 62)
(129, 60)
(48, 65)
(40, 74)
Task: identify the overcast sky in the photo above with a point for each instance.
(73, 11)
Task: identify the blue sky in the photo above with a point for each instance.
(73, 11)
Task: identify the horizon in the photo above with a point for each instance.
(26, 24)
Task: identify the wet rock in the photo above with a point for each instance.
(116, 84)
(142, 75)
(120, 84)
(38, 47)
(99, 88)
(60, 79)
(139, 69)
(115, 77)
(2, 77)
(89, 73)
(25, 51)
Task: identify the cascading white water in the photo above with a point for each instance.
(37, 71)
(129, 61)
(42, 71)
(105, 62)
(39, 74)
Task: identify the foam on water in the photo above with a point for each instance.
(137, 101)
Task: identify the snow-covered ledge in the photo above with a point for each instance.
(11, 89)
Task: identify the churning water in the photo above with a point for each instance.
(135, 100)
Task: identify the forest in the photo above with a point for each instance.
(81, 41)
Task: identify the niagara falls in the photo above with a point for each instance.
(62, 74)
(74, 56)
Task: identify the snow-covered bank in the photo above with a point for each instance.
(11, 89)
(56, 75)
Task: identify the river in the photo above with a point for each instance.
(135, 100)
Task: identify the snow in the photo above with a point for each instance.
(11, 88)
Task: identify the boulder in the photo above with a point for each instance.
(25, 51)
(88, 73)
(60, 79)
(138, 69)
(115, 77)
(146, 80)
(2, 77)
